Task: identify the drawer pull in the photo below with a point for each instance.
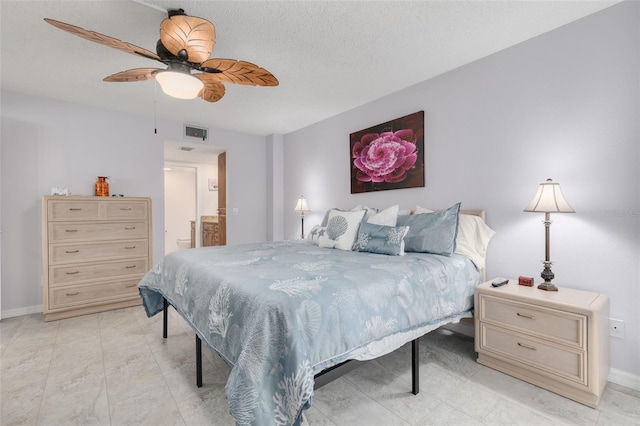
(73, 273)
(75, 293)
(74, 209)
(70, 230)
(129, 228)
(125, 208)
(525, 316)
(130, 285)
(72, 251)
(129, 247)
(522, 345)
(130, 267)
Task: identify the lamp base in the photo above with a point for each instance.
(548, 287)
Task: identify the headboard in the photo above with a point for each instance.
(479, 213)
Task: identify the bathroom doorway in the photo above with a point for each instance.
(180, 206)
(195, 189)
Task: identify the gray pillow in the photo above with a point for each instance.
(381, 239)
(432, 232)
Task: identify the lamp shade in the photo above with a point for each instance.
(179, 85)
(549, 199)
(301, 205)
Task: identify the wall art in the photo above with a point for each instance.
(389, 155)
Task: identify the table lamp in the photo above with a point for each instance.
(548, 199)
(301, 206)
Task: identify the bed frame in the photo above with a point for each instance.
(322, 378)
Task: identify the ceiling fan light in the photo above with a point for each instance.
(179, 84)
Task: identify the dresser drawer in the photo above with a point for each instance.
(73, 210)
(556, 360)
(63, 275)
(79, 231)
(126, 210)
(70, 253)
(560, 326)
(61, 297)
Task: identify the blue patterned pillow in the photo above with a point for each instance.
(432, 232)
(381, 239)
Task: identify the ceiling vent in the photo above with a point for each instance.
(195, 132)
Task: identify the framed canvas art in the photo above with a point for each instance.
(389, 155)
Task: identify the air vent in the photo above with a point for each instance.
(186, 148)
(195, 132)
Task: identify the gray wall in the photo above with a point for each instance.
(46, 143)
(563, 105)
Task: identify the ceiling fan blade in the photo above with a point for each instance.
(194, 35)
(239, 72)
(103, 39)
(136, 74)
(213, 91)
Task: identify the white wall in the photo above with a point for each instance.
(564, 106)
(47, 143)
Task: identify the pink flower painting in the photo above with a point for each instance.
(388, 156)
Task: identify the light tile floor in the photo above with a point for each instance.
(115, 368)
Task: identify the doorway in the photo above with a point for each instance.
(207, 166)
(179, 206)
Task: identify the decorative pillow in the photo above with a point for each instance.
(420, 210)
(342, 228)
(381, 239)
(432, 232)
(473, 238)
(315, 233)
(387, 217)
(369, 211)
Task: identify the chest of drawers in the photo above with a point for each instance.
(556, 340)
(94, 252)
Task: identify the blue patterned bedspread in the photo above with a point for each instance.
(280, 312)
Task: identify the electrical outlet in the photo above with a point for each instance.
(235, 211)
(616, 328)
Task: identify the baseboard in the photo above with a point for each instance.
(28, 310)
(623, 378)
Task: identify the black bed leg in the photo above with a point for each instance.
(165, 316)
(415, 367)
(198, 361)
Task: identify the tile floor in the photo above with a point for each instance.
(114, 368)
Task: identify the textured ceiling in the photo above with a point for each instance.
(329, 56)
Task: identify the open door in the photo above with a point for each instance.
(222, 197)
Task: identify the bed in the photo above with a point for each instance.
(282, 313)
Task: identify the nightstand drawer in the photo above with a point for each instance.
(560, 326)
(557, 361)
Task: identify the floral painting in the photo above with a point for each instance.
(389, 155)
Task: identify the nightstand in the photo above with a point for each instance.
(556, 340)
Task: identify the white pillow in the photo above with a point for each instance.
(369, 211)
(473, 237)
(387, 217)
(342, 229)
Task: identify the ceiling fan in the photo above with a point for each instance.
(185, 44)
